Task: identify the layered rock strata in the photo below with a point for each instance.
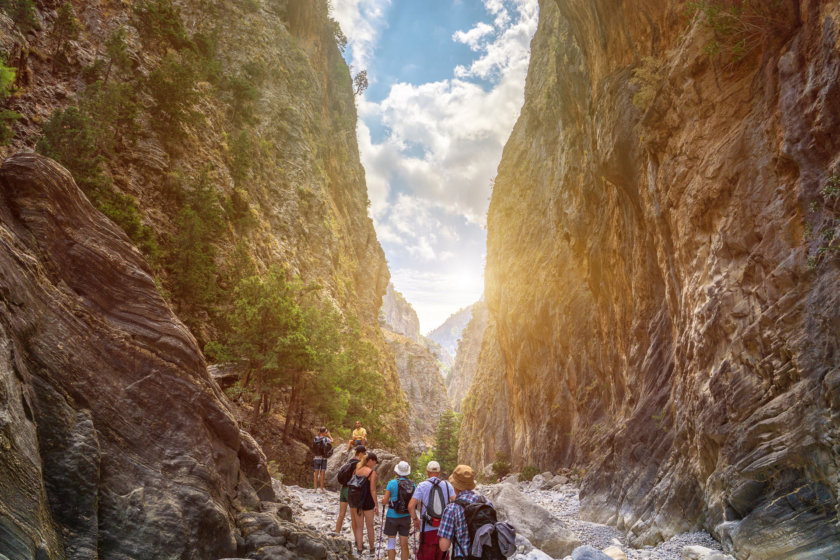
(117, 444)
(273, 136)
(460, 379)
(662, 276)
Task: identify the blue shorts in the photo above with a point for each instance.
(320, 463)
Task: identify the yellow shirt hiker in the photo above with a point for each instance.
(358, 437)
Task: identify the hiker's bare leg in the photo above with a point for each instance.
(403, 548)
(369, 523)
(357, 528)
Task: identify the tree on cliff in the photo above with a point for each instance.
(289, 338)
(446, 441)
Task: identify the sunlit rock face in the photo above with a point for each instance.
(398, 315)
(466, 359)
(653, 314)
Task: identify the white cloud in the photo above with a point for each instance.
(473, 37)
(362, 22)
(436, 295)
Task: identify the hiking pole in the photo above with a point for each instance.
(381, 524)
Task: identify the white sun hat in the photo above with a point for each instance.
(402, 468)
(433, 466)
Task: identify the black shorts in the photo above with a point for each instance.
(394, 525)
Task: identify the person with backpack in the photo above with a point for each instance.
(361, 495)
(345, 473)
(469, 526)
(398, 494)
(432, 496)
(322, 449)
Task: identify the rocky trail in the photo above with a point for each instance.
(546, 513)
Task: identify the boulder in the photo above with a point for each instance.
(533, 522)
(695, 552)
(587, 552)
(538, 482)
(384, 469)
(559, 480)
(615, 553)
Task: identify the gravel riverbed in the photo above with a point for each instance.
(320, 510)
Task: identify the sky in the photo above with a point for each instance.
(447, 82)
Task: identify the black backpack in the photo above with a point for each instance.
(357, 490)
(476, 515)
(405, 490)
(435, 502)
(322, 447)
(346, 472)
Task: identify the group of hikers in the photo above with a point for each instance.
(452, 521)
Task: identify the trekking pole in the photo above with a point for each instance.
(381, 524)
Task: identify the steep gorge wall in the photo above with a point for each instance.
(460, 379)
(273, 136)
(678, 337)
(116, 442)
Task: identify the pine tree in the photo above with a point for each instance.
(446, 441)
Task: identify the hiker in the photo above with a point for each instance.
(345, 473)
(398, 494)
(321, 448)
(361, 496)
(359, 436)
(432, 495)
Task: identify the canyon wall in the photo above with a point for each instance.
(243, 108)
(460, 379)
(398, 315)
(117, 444)
(662, 272)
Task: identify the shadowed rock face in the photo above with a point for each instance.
(108, 410)
(653, 316)
(466, 359)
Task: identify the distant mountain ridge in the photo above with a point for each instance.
(449, 332)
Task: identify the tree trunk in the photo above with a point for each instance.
(289, 412)
(258, 399)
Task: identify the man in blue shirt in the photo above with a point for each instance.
(453, 524)
(397, 522)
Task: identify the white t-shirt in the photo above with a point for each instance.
(422, 495)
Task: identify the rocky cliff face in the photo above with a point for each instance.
(116, 442)
(424, 389)
(460, 379)
(398, 315)
(449, 332)
(678, 338)
(268, 128)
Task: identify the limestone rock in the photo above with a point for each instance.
(423, 385)
(137, 452)
(703, 553)
(384, 469)
(531, 521)
(615, 553)
(466, 358)
(589, 553)
(653, 316)
(450, 331)
(398, 315)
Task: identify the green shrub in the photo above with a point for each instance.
(159, 23)
(172, 85)
(825, 236)
(199, 224)
(114, 109)
(647, 77)
(501, 466)
(528, 473)
(71, 137)
(7, 116)
(738, 27)
(22, 13)
(419, 464)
